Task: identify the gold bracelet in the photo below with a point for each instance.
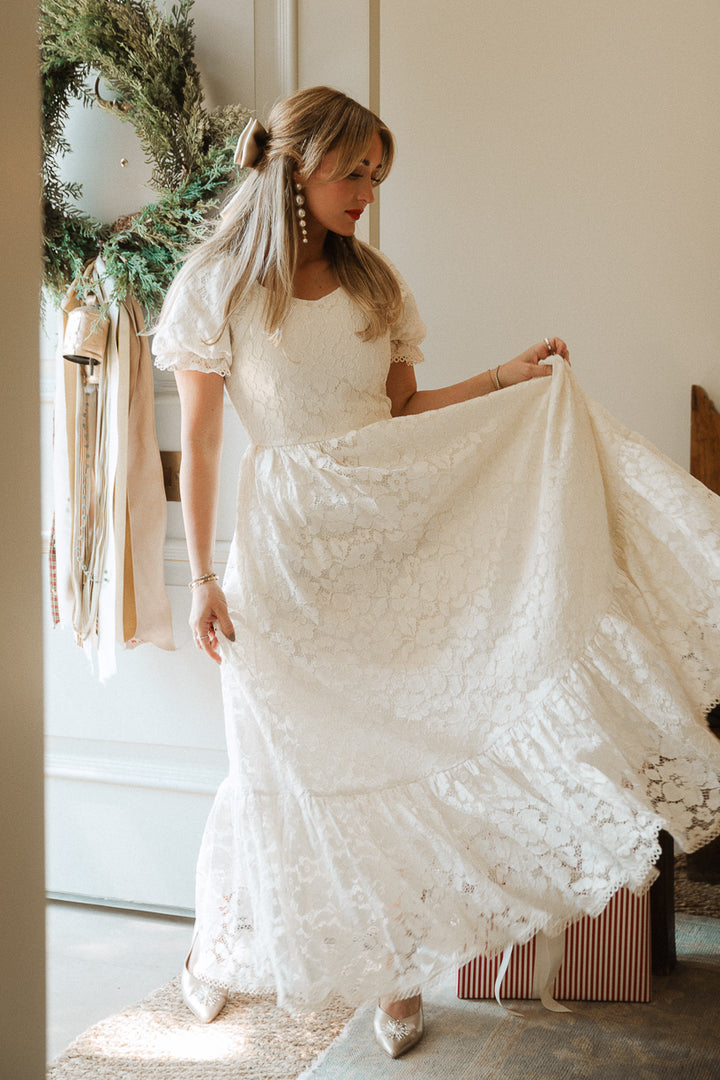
(494, 376)
(212, 576)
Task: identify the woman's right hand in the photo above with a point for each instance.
(208, 613)
(531, 363)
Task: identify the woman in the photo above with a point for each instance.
(467, 636)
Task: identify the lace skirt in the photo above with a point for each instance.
(474, 651)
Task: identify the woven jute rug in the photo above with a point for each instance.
(158, 1039)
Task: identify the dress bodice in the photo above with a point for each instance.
(313, 379)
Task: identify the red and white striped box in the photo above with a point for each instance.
(606, 959)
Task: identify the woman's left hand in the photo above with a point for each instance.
(528, 365)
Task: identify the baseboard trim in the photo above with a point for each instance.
(116, 904)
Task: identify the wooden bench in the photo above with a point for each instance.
(702, 865)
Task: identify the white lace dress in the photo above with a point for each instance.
(474, 651)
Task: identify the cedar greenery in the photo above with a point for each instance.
(147, 57)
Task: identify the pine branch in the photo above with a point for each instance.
(147, 57)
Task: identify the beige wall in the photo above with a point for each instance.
(22, 976)
(559, 172)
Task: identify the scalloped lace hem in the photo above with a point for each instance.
(193, 363)
(402, 353)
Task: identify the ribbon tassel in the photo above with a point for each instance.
(549, 952)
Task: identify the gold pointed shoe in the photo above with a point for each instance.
(202, 999)
(396, 1037)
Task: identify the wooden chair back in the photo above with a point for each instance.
(705, 440)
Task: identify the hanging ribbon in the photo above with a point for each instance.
(110, 508)
(549, 952)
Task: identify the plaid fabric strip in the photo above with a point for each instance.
(52, 567)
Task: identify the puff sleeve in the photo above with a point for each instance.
(184, 337)
(409, 331)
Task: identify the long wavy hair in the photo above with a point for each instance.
(258, 238)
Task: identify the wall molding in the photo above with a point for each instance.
(374, 99)
(165, 387)
(276, 52)
(175, 550)
(287, 16)
(120, 903)
(187, 770)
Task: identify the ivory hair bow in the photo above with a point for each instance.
(250, 145)
(247, 153)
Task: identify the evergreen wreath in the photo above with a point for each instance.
(147, 57)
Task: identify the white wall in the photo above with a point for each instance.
(22, 906)
(132, 765)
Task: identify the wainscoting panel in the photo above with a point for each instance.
(133, 764)
(124, 821)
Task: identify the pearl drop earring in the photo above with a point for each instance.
(300, 202)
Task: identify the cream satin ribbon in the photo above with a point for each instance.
(249, 148)
(250, 144)
(110, 506)
(549, 952)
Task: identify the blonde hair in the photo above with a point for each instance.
(259, 236)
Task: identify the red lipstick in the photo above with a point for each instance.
(354, 214)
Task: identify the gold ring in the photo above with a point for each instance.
(551, 351)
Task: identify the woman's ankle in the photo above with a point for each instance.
(402, 1009)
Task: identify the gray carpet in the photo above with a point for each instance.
(676, 1037)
